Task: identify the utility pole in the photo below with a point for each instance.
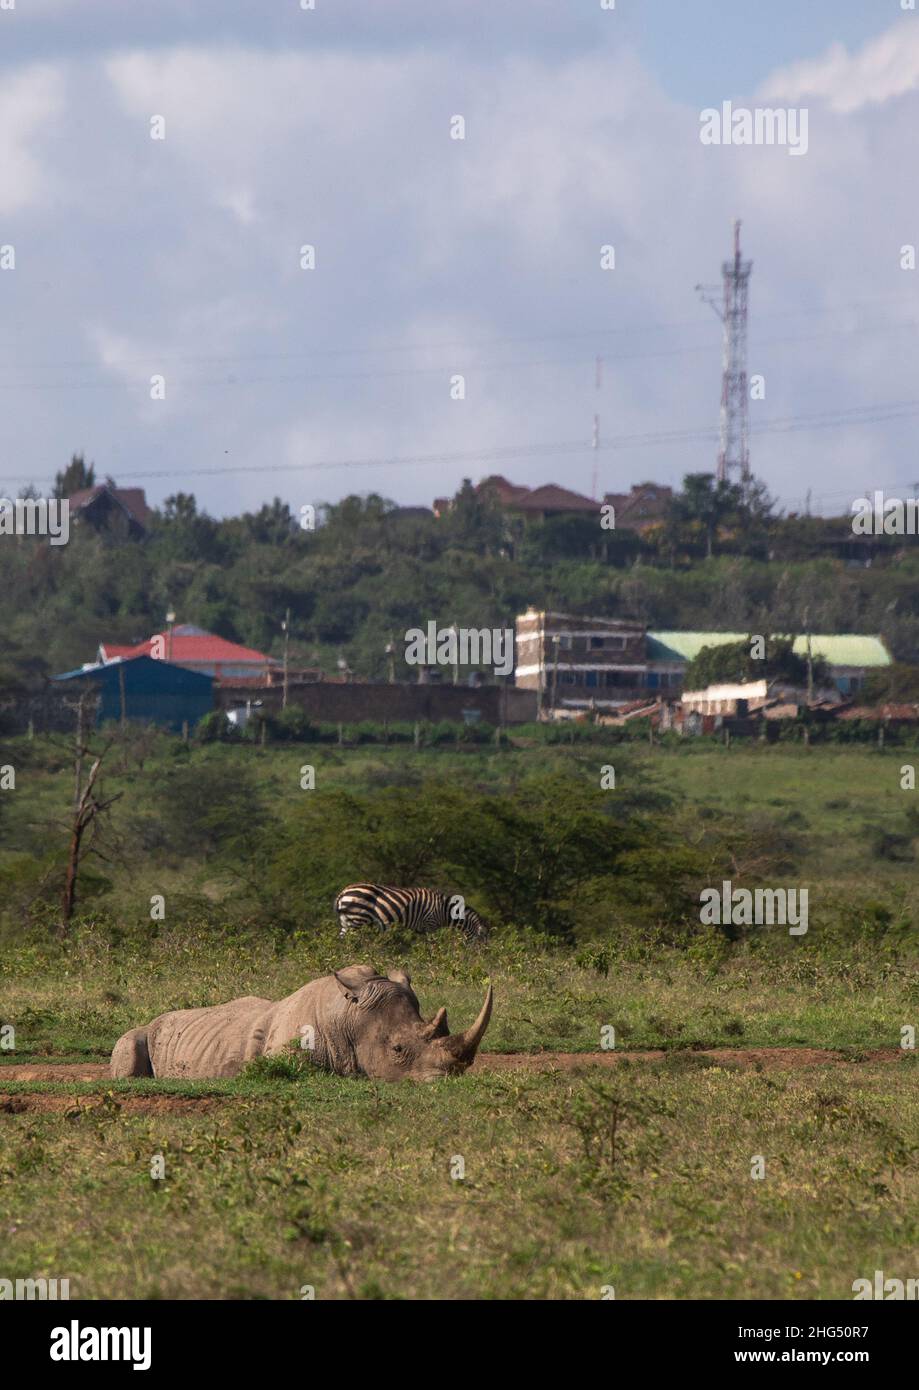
(391, 659)
(733, 441)
(598, 382)
(286, 627)
(810, 661)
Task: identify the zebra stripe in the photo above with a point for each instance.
(421, 909)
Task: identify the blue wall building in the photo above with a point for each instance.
(146, 690)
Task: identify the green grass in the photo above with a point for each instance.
(346, 1186)
(74, 1000)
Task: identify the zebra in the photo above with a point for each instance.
(422, 909)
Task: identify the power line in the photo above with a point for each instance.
(856, 415)
(160, 360)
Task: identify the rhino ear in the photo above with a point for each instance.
(438, 1026)
(400, 977)
(352, 979)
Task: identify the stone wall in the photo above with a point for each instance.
(333, 702)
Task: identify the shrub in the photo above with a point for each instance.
(215, 727)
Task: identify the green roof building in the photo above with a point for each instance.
(850, 656)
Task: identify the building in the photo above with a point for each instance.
(850, 656)
(605, 663)
(536, 504)
(142, 689)
(580, 663)
(113, 507)
(199, 651)
(644, 505)
(774, 699)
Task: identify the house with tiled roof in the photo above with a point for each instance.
(101, 505)
(196, 650)
(540, 503)
(644, 505)
(641, 507)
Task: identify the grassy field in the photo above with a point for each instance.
(641, 1181)
(638, 1178)
(75, 1000)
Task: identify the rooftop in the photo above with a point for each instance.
(189, 644)
(840, 649)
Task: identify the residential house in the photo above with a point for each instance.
(644, 505)
(197, 650)
(539, 503)
(109, 506)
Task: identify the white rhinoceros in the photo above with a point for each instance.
(353, 1022)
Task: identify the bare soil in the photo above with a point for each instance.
(772, 1058)
(129, 1105)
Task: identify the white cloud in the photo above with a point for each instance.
(28, 102)
(483, 255)
(884, 68)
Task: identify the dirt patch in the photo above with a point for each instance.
(771, 1058)
(125, 1105)
(56, 1071)
(781, 1058)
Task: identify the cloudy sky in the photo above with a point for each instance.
(180, 257)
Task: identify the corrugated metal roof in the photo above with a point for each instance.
(192, 646)
(139, 671)
(841, 649)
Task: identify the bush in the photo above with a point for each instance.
(215, 727)
(538, 856)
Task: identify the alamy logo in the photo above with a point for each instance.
(461, 646)
(759, 907)
(885, 1288)
(885, 516)
(42, 1290)
(36, 516)
(76, 1343)
(762, 126)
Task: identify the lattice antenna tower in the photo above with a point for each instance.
(731, 308)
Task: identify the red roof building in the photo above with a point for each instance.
(645, 505)
(196, 650)
(100, 504)
(539, 502)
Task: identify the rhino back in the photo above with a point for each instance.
(198, 1043)
(318, 1006)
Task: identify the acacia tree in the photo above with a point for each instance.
(704, 503)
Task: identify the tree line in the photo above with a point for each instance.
(722, 558)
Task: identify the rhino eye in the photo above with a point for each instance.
(397, 1047)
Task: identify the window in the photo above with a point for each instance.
(591, 678)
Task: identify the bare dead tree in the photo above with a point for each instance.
(87, 810)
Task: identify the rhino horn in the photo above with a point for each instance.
(464, 1046)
